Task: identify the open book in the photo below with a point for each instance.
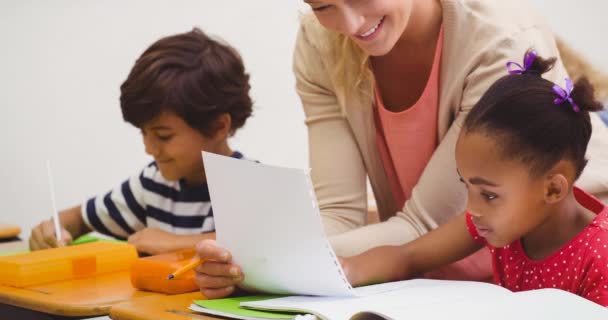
(422, 299)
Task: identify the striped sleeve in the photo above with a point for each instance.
(118, 213)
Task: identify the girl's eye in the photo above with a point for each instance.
(489, 196)
(321, 8)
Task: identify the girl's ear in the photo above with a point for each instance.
(557, 182)
(556, 188)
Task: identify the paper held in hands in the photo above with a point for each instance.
(269, 220)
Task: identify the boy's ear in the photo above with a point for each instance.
(223, 126)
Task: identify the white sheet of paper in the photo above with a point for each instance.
(387, 298)
(268, 218)
(551, 304)
(442, 299)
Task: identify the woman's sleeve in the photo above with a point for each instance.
(337, 170)
(439, 195)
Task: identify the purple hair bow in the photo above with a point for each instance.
(564, 95)
(516, 68)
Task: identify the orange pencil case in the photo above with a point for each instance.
(150, 273)
(66, 263)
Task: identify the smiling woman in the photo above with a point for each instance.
(386, 86)
(393, 105)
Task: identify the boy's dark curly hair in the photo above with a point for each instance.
(192, 75)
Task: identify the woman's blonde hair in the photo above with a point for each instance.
(577, 66)
(351, 65)
(352, 70)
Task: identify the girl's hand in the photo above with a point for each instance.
(381, 264)
(349, 268)
(217, 277)
(355, 271)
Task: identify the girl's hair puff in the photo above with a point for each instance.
(518, 111)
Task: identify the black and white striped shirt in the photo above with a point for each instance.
(149, 200)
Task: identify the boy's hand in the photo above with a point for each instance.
(43, 236)
(153, 241)
(217, 277)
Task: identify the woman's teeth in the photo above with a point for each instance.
(372, 30)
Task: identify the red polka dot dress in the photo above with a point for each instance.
(580, 266)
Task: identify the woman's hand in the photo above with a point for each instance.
(217, 277)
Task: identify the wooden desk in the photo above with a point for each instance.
(76, 298)
(173, 307)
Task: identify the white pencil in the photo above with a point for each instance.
(55, 212)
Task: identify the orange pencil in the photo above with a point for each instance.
(191, 265)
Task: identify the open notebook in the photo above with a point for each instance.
(421, 299)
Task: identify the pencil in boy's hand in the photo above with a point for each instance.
(55, 217)
(191, 265)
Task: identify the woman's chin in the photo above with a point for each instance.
(375, 49)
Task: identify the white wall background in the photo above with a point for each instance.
(62, 62)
